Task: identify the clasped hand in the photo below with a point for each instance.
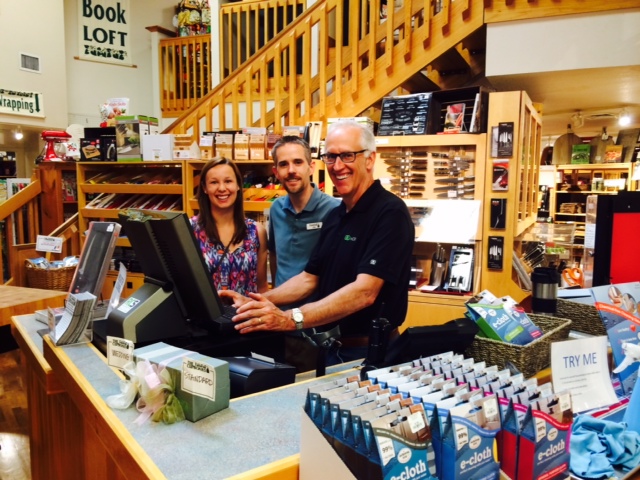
(256, 313)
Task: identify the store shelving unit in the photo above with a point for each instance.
(104, 188)
(59, 199)
(253, 207)
(574, 183)
(521, 194)
(427, 170)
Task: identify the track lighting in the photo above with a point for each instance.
(17, 134)
(624, 119)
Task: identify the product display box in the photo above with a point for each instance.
(99, 145)
(157, 147)
(128, 131)
(195, 407)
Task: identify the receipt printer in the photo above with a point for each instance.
(250, 375)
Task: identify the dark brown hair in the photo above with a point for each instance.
(290, 139)
(205, 219)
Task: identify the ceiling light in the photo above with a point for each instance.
(577, 120)
(624, 119)
(17, 134)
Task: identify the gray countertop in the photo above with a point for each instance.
(254, 431)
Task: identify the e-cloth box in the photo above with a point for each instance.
(195, 407)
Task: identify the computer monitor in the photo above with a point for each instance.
(178, 294)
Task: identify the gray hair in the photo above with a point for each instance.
(367, 139)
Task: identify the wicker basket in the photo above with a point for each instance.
(584, 318)
(529, 359)
(54, 279)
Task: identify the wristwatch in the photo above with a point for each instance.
(298, 318)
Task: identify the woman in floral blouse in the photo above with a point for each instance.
(234, 247)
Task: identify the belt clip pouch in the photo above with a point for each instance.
(507, 438)
(312, 400)
(469, 436)
(404, 445)
(543, 445)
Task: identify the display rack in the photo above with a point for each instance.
(520, 195)
(450, 167)
(574, 183)
(104, 188)
(59, 199)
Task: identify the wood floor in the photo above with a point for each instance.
(14, 428)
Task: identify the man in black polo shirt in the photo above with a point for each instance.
(361, 264)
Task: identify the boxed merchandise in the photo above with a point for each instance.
(90, 150)
(128, 136)
(214, 377)
(241, 146)
(543, 443)
(207, 149)
(157, 147)
(224, 144)
(184, 148)
(257, 143)
(468, 436)
(272, 139)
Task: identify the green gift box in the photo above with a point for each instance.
(214, 374)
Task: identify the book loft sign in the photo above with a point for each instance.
(104, 31)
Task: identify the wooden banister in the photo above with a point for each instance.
(337, 61)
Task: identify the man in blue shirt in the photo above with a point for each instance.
(295, 221)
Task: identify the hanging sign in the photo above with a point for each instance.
(103, 31)
(15, 102)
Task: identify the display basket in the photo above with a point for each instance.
(584, 318)
(50, 279)
(529, 359)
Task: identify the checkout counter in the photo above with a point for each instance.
(76, 435)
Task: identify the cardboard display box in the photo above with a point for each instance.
(195, 407)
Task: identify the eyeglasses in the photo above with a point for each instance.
(346, 157)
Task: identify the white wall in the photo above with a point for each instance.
(606, 39)
(90, 84)
(35, 27)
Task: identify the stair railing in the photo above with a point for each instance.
(336, 59)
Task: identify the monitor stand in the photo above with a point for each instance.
(149, 314)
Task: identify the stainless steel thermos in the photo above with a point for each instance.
(545, 290)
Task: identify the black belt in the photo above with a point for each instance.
(363, 341)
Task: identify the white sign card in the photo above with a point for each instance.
(119, 352)
(198, 378)
(581, 367)
(48, 244)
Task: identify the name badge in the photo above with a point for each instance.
(314, 226)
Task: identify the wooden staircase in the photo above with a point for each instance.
(339, 58)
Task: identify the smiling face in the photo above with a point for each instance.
(292, 168)
(221, 186)
(350, 179)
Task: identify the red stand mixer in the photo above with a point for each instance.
(52, 137)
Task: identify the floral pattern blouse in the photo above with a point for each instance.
(236, 270)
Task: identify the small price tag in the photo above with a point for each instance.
(48, 244)
(119, 352)
(416, 422)
(198, 378)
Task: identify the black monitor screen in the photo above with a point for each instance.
(169, 255)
